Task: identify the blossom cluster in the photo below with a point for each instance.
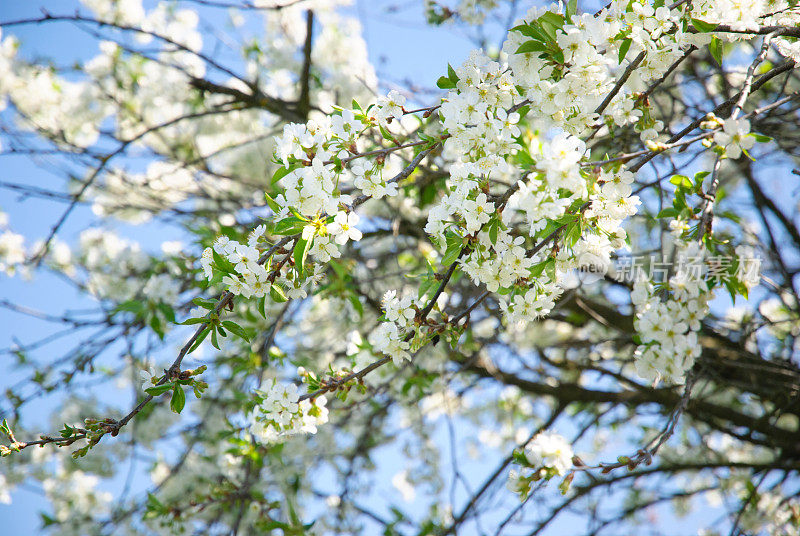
(116, 267)
(743, 15)
(323, 154)
(279, 413)
(578, 68)
(556, 189)
(249, 278)
(320, 158)
(481, 133)
(547, 455)
(734, 137)
(669, 327)
(567, 73)
(560, 190)
(389, 337)
(246, 276)
(479, 114)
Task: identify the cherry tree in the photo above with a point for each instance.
(554, 291)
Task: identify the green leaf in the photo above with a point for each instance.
(272, 524)
(563, 486)
(624, 48)
(385, 133)
(537, 269)
(680, 200)
(236, 329)
(454, 245)
(154, 507)
(550, 32)
(523, 111)
(261, 305)
(280, 173)
(682, 181)
(356, 303)
(668, 213)
(425, 286)
(565, 219)
(47, 520)
(155, 325)
(200, 339)
(550, 269)
(222, 264)
(451, 74)
(81, 452)
(494, 227)
(178, 400)
(731, 289)
(272, 204)
(5, 428)
(289, 226)
(131, 306)
(530, 31)
(193, 321)
(573, 234)
(532, 46)
(444, 83)
(761, 138)
(572, 9)
(214, 341)
(703, 27)
(715, 47)
(215, 280)
(277, 294)
(157, 390)
(553, 19)
(300, 254)
(204, 303)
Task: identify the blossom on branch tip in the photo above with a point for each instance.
(390, 107)
(280, 413)
(343, 227)
(388, 340)
(734, 137)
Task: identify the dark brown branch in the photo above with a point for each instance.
(304, 101)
